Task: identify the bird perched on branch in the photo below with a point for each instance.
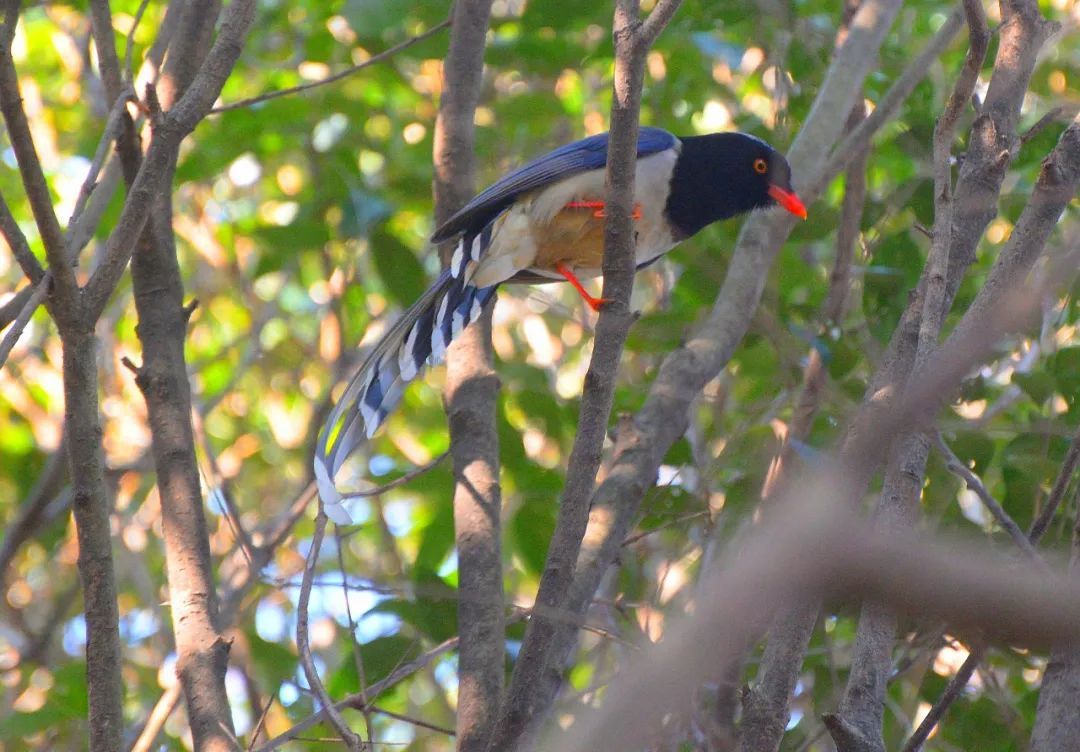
(544, 222)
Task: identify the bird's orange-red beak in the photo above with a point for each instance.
(788, 200)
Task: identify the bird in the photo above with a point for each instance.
(544, 222)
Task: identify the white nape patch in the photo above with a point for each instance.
(407, 365)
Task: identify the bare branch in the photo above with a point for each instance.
(105, 45)
(18, 244)
(30, 304)
(129, 45)
(179, 122)
(373, 60)
(524, 704)
(470, 396)
(1064, 659)
(37, 189)
(303, 645)
(1057, 493)
(155, 722)
(859, 138)
(363, 699)
(9, 311)
(92, 525)
(993, 505)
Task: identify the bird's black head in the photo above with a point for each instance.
(722, 175)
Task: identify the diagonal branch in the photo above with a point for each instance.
(176, 125)
(523, 708)
(33, 177)
(857, 726)
(335, 77)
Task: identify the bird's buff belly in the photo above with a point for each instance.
(574, 238)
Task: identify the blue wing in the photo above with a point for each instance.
(580, 156)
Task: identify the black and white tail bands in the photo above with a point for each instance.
(420, 337)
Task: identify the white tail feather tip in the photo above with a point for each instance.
(329, 495)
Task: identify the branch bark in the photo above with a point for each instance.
(92, 508)
(202, 650)
(470, 397)
(857, 726)
(643, 441)
(523, 707)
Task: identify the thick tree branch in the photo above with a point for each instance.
(177, 124)
(641, 447)
(92, 509)
(202, 650)
(858, 723)
(470, 396)
(524, 706)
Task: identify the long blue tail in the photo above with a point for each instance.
(420, 337)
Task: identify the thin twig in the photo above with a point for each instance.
(358, 656)
(1057, 493)
(407, 477)
(262, 722)
(957, 467)
(18, 244)
(163, 708)
(1041, 124)
(10, 309)
(373, 60)
(395, 677)
(303, 644)
(413, 721)
(11, 336)
(949, 695)
(631, 540)
(129, 45)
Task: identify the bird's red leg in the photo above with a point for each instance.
(599, 207)
(594, 303)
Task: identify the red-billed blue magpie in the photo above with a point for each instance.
(541, 223)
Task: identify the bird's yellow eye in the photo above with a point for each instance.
(761, 166)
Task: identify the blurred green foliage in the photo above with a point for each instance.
(302, 224)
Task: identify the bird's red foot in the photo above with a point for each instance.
(593, 302)
(599, 207)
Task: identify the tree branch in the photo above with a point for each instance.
(1062, 676)
(858, 724)
(177, 124)
(303, 645)
(470, 396)
(524, 707)
(18, 244)
(192, 74)
(33, 179)
(373, 60)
